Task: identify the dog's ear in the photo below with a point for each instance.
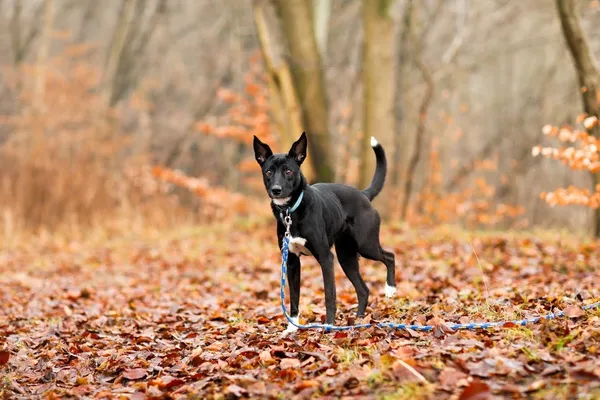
(262, 151)
(298, 149)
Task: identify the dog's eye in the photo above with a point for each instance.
(288, 172)
(269, 173)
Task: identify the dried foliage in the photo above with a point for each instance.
(472, 206)
(196, 315)
(248, 113)
(583, 155)
(217, 203)
(70, 165)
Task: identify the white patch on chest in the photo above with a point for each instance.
(298, 246)
(281, 202)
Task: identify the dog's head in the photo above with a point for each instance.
(281, 172)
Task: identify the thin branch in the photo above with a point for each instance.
(421, 126)
(413, 371)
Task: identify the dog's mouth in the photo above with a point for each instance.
(280, 200)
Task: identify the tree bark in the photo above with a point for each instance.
(403, 56)
(285, 105)
(86, 19)
(116, 50)
(420, 133)
(42, 57)
(309, 80)
(321, 13)
(15, 27)
(379, 79)
(21, 41)
(587, 73)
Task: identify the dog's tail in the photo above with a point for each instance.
(380, 171)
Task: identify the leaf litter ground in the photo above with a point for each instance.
(197, 315)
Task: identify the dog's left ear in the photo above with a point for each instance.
(298, 149)
(262, 151)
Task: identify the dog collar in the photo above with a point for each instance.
(297, 203)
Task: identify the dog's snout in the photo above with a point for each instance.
(276, 190)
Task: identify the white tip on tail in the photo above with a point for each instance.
(374, 142)
(390, 291)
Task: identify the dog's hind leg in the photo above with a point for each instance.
(369, 247)
(390, 263)
(387, 258)
(376, 253)
(347, 254)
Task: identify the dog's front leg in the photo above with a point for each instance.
(293, 276)
(325, 258)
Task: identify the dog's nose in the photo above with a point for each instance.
(276, 190)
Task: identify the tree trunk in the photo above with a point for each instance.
(587, 73)
(42, 57)
(309, 80)
(321, 13)
(403, 56)
(286, 108)
(420, 133)
(379, 79)
(285, 104)
(86, 21)
(15, 27)
(116, 50)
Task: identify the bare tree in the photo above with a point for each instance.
(321, 14)
(21, 40)
(403, 60)
(116, 49)
(379, 76)
(307, 70)
(420, 132)
(88, 16)
(287, 112)
(588, 73)
(133, 59)
(42, 57)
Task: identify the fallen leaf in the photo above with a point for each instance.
(535, 386)
(135, 373)
(167, 382)
(483, 368)
(265, 356)
(449, 376)
(551, 369)
(288, 363)
(235, 390)
(476, 390)
(574, 312)
(4, 357)
(305, 384)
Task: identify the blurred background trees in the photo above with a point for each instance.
(93, 95)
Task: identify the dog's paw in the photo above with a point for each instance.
(390, 291)
(291, 327)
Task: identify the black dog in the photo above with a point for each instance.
(327, 214)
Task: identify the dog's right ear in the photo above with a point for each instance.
(262, 151)
(298, 150)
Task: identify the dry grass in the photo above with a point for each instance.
(71, 168)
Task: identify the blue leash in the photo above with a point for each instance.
(471, 325)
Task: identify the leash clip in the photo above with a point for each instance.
(287, 220)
